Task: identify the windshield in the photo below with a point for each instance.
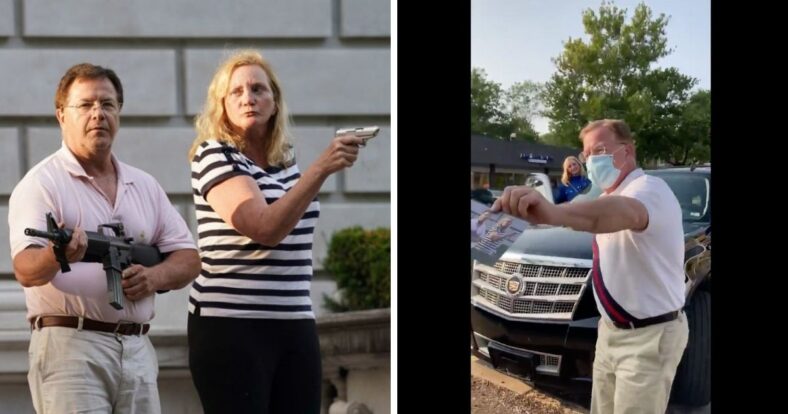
(692, 190)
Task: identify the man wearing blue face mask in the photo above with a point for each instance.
(637, 275)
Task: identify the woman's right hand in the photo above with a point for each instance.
(340, 154)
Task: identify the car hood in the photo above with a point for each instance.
(567, 243)
(553, 241)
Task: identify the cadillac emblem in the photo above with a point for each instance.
(514, 284)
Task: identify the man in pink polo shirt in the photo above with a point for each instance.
(86, 356)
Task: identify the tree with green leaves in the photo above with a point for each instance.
(612, 75)
(686, 136)
(499, 113)
(522, 104)
(485, 101)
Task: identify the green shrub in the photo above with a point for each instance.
(360, 262)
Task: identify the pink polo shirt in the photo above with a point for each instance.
(59, 185)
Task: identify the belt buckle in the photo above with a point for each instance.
(117, 328)
(624, 325)
(37, 324)
(142, 327)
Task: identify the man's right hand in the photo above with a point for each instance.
(526, 203)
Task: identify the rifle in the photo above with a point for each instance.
(114, 252)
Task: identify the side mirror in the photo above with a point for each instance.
(532, 181)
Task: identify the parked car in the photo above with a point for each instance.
(483, 196)
(546, 329)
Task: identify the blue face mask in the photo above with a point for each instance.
(601, 170)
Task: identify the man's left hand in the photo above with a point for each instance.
(139, 282)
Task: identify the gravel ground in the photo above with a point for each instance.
(489, 398)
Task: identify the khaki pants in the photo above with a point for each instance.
(74, 371)
(634, 368)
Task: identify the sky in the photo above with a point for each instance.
(515, 40)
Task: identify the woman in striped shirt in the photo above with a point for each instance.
(253, 345)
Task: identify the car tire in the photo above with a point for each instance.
(692, 384)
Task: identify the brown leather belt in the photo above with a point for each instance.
(90, 325)
(640, 323)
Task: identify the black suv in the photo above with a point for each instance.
(547, 330)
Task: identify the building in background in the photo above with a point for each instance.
(502, 162)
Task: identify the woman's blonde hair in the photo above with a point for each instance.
(565, 175)
(212, 122)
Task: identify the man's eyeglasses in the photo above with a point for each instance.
(597, 150)
(84, 108)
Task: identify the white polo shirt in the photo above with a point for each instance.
(644, 271)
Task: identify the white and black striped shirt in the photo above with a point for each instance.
(241, 278)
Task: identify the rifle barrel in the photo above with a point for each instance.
(39, 233)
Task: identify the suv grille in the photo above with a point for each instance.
(548, 292)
